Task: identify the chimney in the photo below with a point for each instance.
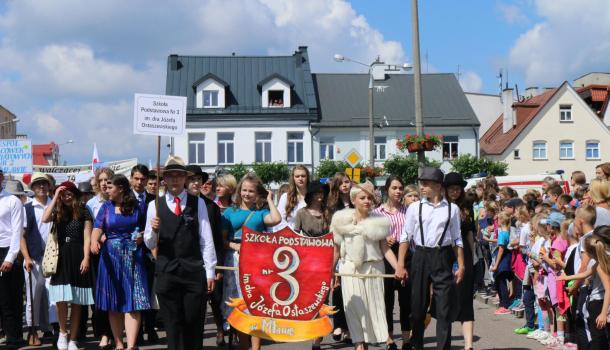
(507, 108)
(173, 62)
(531, 91)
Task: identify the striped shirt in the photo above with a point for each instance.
(397, 219)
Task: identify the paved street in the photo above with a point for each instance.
(491, 332)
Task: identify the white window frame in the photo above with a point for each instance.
(381, 148)
(566, 146)
(211, 92)
(565, 113)
(454, 146)
(225, 145)
(295, 147)
(197, 139)
(327, 148)
(589, 142)
(265, 145)
(535, 148)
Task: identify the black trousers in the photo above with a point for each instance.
(432, 266)
(599, 337)
(390, 287)
(11, 301)
(216, 301)
(181, 299)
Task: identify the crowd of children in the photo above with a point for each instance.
(548, 257)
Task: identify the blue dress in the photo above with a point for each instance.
(122, 283)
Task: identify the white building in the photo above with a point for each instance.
(554, 129)
(343, 103)
(272, 109)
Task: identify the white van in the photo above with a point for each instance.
(522, 183)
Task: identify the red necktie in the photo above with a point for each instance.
(177, 209)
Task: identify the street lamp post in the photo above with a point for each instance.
(405, 66)
(57, 148)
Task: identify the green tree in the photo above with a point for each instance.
(405, 167)
(328, 168)
(238, 170)
(495, 168)
(467, 165)
(272, 172)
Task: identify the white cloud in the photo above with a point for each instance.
(48, 123)
(471, 82)
(561, 46)
(72, 71)
(512, 13)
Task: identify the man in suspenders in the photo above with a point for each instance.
(434, 225)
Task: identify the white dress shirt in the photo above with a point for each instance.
(434, 218)
(11, 224)
(141, 197)
(281, 207)
(39, 208)
(206, 242)
(94, 205)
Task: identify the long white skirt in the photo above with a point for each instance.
(364, 304)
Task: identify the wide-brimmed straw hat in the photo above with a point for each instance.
(175, 163)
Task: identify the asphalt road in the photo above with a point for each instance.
(491, 332)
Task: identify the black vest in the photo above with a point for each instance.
(34, 240)
(178, 244)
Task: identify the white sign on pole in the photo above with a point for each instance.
(16, 156)
(159, 115)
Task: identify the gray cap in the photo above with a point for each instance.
(14, 187)
(85, 187)
(431, 174)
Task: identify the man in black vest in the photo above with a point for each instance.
(181, 232)
(193, 187)
(434, 225)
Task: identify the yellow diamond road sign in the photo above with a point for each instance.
(353, 158)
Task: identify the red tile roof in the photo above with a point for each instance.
(41, 153)
(494, 141)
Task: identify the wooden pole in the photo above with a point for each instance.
(158, 171)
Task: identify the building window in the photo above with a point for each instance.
(592, 150)
(565, 113)
(225, 148)
(566, 150)
(276, 98)
(196, 148)
(516, 154)
(380, 147)
(539, 148)
(450, 147)
(327, 148)
(263, 146)
(295, 147)
(210, 99)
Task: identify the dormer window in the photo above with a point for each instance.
(275, 91)
(210, 92)
(210, 98)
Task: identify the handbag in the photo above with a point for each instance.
(51, 253)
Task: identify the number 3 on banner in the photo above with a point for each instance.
(289, 263)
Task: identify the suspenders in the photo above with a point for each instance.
(421, 225)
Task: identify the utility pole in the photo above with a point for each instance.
(419, 122)
(371, 126)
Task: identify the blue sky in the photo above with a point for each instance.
(69, 68)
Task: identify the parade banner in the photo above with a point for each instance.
(284, 279)
(16, 156)
(79, 173)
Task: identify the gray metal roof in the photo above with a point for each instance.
(242, 74)
(343, 100)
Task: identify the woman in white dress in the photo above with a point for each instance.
(360, 243)
(293, 200)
